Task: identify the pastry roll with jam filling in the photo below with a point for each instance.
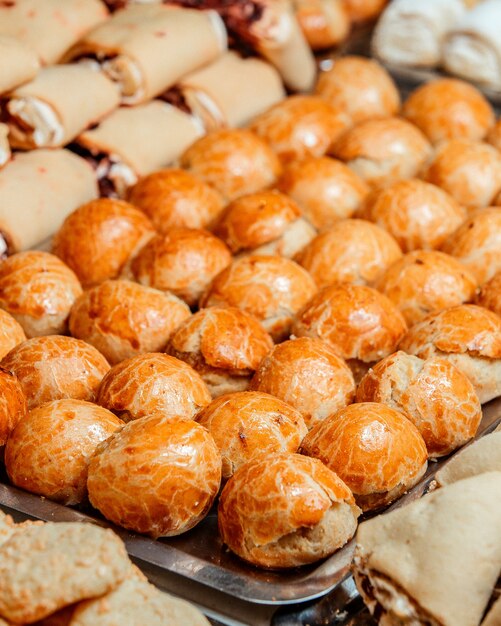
(133, 142)
(229, 92)
(146, 49)
(52, 26)
(55, 107)
(18, 63)
(5, 153)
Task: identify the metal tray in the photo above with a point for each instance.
(200, 556)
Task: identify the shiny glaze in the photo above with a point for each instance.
(11, 333)
(490, 294)
(13, 405)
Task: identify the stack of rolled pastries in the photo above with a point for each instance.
(285, 306)
(461, 36)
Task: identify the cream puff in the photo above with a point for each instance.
(490, 294)
(11, 333)
(307, 374)
(123, 319)
(13, 405)
(182, 260)
(271, 288)
(375, 449)
(235, 162)
(325, 23)
(351, 251)
(494, 135)
(98, 239)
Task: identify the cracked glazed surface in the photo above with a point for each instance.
(376, 450)
(258, 219)
(235, 162)
(224, 344)
(351, 251)
(56, 367)
(49, 566)
(13, 405)
(357, 321)
(438, 399)
(278, 497)
(324, 24)
(418, 214)
(490, 294)
(360, 87)
(382, 151)
(301, 126)
(183, 261)
(470, 171)
(156, 476)
(477, 243)
(11, 333)
(174, 198)
(325, 189)
(307, 374)
(273, 289)
(123, 319)
(153, 383)
(425, 281)
(50, 448)
(250, 423)
(38, 290)
(449, 109)
(98, 238)
(494, 135)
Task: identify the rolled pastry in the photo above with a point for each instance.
(493, 617)
(38, 190)
(472, 49)
(411, 33)
(483, 455)
(147, 48)
(50, 27)
(18, 63)
(55, 107)
(230, 91)
(433, 562)
(133, 142)
(4, 145)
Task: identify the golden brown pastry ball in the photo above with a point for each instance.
(351, 251)
(363, 10)
(98, 239)
(56, 367)
(449, 108)
(325, 23)
(494, 135)
(360, 87)
(224, 345)
(235, 162)
(490, 294)
(11, 333)
(49, 451)
(267, 222)
(249, 423)
(300, 126)
(376, 450)
(382, 151)
(174, 198)
(156, 476)
(469, 337)
(361, 324)
(469, 170)
(477, 243)
(38, 290)
(123, 319)
(271, 288)
(13, 405)
(183, 261)
(419, 215)
(284, 510)
(426, 281)
(308, 375)
(153, 383)
(438, 399)
(325, 189)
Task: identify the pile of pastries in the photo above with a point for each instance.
(460, 36)
(73, 574)
(290, 320)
